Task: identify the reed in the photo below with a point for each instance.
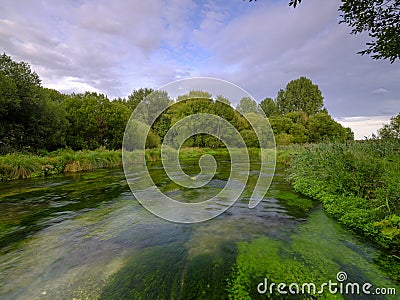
(358, 184)
(18, 165)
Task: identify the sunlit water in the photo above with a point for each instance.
(84, 236)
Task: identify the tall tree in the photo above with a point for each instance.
(87, 114)
(269, 107)
(300, 95)
(247, 105)
(137, 96)
(30, 116)
(194, 94)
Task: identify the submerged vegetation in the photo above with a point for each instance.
(308, 256)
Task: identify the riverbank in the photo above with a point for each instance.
(18, 165)
(358, 185)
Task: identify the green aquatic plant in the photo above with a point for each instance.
(144, 277)
(307, 256)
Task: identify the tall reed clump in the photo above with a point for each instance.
(13, 166)
(358, 184)
(90, 160)
(286, 153)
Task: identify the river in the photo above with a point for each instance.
(84, 236)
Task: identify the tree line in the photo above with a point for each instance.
(34, 118)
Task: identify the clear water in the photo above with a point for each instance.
(84, 236)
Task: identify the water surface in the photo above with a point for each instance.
(84, 236)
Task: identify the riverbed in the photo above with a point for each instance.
(84, 236)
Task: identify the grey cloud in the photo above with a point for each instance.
(97, 43)
(263, 50)
(117, 46)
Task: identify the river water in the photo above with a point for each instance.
(84, 236)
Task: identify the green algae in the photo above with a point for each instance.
(311, 255)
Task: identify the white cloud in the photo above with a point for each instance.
(380, 91)
(114, 47)
(71, 84)
(364, 127)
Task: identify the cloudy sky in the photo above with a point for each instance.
(114, 47)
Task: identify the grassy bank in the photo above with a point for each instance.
(17, 165)
(357, 183)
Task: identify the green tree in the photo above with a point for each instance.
(53, 120)
(30, 117)
(269, 107)
(136, 133)
(188, 105)
(116, 118)
(247, 105)
(281, 124)
(391, 130)
(379, 18)
(322, 127)
(151, 105)
(223, 108)
(136, 97)
(86, 114)
(299, 117)
(250, 138)
(223, 99)
(300, 95)
(194, 94)
(299, 133)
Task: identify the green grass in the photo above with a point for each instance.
(17, 165)
(358, 184)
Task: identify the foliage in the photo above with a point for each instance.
(247, 105)
(297, 127)
(35, 119)
(300, 95)
(194, 94)
(358, 183)
(299, 133)
(322, 127)
(269, 107)
(379, 18)
(15, 166)
(392, 130)
(94, 121)
(30, 117)
(135, 98)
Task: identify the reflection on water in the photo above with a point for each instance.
(85, 237)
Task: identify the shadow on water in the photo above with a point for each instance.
(87, 238)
